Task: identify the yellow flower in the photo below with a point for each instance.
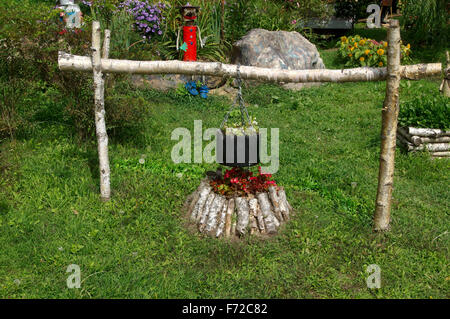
(367, 52)
(356, 45)
(385, 44)
(380, 51)
(352, 48)
(344, 39)
(361, 59)
(362, 42)
(380, 64)
(408, 46)
(350, 55)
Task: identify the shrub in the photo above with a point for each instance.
(427, 20)
(33, 89)
(426, 111)
(358, 51)
(355, 9)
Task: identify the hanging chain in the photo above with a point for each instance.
(239, 100)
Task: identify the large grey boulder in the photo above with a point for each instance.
(277, 50)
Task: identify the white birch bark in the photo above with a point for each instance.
(229, 217)
(266, 211)
(275, 203)
(68, 62)
(213, 214)
(100, 123)
(382, 215)
(223, 214)
(440, 154)
(432, 147)
(260, 220)
(442, 139)
(242, 211)
(285, 207)
(253, 205)
(106, 43)
(445, 86)
(199, 199)
(427, 132)
(206, 208)
(416, 140)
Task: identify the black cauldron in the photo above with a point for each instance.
(237, 150)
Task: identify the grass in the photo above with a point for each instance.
(136, 245)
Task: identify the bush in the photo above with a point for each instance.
(426, 20)
(426, 111)
(33, 89)
(242, 15)
(355, 9)
(358, 51)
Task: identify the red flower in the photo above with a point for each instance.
(242, 181)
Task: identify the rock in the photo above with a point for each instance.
(226, 90)
(277, 50)
(164, 82)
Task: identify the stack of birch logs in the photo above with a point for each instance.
(435, 141)
(218, 216)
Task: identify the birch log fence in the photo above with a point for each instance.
(100, 65)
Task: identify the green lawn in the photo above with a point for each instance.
(137, 245)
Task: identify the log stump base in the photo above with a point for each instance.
(218, 216)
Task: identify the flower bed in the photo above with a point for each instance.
(240, 182)
(358, 51)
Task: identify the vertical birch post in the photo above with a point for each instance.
(99, 102)
(445, 86)
(390, 110)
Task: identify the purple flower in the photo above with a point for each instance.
(143, 11)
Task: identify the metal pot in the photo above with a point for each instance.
(237, 150)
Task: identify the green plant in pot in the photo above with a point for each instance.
(235, 126)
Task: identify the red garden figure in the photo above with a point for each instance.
(190, 28)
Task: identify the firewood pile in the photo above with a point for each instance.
(215, 215)
(435, 141)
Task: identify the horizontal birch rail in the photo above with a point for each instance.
(69, 62)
